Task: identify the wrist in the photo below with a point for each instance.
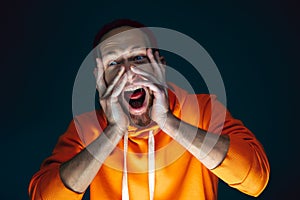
(113, 132)
(171, 124)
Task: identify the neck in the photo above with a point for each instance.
(142, 131)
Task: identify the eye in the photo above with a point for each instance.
(139, 58)
(112, 63)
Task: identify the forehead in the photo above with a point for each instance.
(123, 39)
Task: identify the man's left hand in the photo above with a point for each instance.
(157, 84)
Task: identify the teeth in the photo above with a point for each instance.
(132, 88)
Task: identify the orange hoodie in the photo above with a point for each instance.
(178, 174)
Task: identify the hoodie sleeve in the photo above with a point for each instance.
(46, 183)
(245, 166)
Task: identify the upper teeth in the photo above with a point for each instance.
(132, 88)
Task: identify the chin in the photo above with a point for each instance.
(140, 120)
(137, 102)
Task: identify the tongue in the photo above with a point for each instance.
(134, 95)
(137, 94)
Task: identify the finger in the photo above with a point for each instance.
(103, 105)
(99, 64)
(99, 67)
(145, 74)
(150, 77)
(119, 88)
(98, 73)
(100, 85)
(155, 88)
(155, 63)
(152, 60)
(114, 82)
(162, 72)
(98, 76)
(95, 72)
(162, 67)
(159, 58)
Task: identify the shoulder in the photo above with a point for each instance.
(90, 125)
(196, 109)
(182, 99)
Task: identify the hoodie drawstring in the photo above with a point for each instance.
(125, 194)
(151, 167)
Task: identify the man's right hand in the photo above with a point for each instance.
(108, 97)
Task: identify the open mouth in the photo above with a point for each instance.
(135, 97)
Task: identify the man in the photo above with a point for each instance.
(151, 144)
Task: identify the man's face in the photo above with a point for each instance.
(128, 49)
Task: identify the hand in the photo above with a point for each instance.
(108, 97)
(157, 84)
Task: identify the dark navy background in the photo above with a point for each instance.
(255, 45)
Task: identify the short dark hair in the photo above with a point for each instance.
(119, 23)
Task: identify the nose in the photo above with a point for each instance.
(128, 65)
(128, 71)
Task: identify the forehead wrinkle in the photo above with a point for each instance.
(121, 41)
(138, 47)
(107, 48)
(120, 52)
